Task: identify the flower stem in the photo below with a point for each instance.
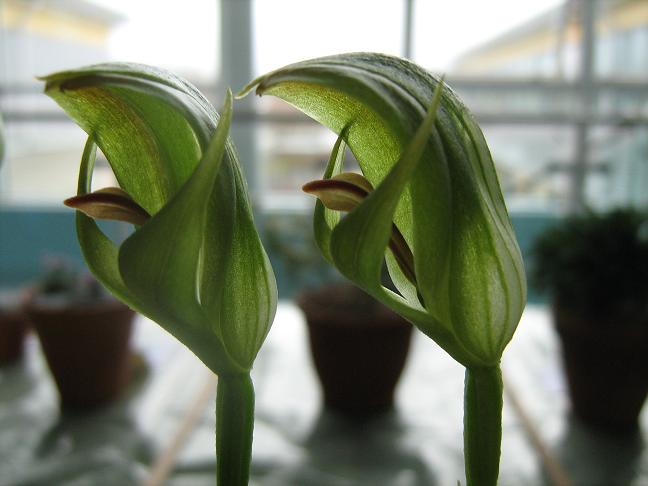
(482, 425)
(234, 426)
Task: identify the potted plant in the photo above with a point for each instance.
(84, 333)
(429, 202)
(595, 269)
(358, 346)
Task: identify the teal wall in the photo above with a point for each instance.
(528, 226)
(298, 265)
(29, 236)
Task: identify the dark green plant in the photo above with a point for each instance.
(428, 202)
(596, 265)
(65, 283)
(194, 263)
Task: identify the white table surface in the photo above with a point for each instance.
(296, 443)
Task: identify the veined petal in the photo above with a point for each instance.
(139, 117)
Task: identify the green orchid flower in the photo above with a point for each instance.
(194, 263)
(429, 203)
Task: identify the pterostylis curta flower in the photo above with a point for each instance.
(429, 203)
(194, 263)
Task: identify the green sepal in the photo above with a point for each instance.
(324, 219)
(359, 241)
(238, 291)
(99, 252)
(160, 262)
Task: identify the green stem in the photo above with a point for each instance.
(482, 425)
(234, 426)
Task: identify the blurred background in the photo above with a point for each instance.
(560, 88)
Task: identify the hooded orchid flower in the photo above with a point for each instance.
(194, 263)
(429, 203)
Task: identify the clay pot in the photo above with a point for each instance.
(87, 350)
(606, 366)
(359, 348)
(13, 329)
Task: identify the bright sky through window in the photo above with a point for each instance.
(184, 36)
(180, 36)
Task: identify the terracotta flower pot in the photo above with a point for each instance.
(13, 328)
(359, 348)
(606, 364)
(87, 350)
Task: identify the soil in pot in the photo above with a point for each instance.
(606, 364)
(87, 350)
(359, 348)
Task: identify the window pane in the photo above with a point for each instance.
(287, 31)
(294, 152)
(291, 154)
(533, 164)
(521, 69)
(618, 167)
(481, 37)
(36, 38)
(180, 36)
